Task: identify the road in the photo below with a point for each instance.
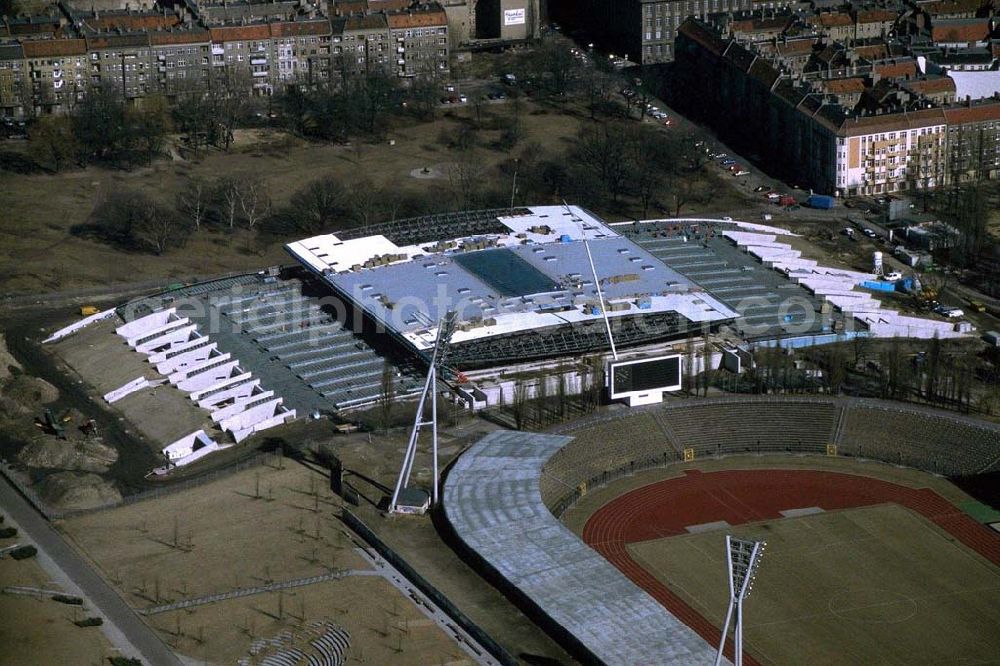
(98, 593)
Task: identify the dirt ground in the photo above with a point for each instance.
(385, 628)
(255, 527)
(38, 253)
(39, 632)
(873, 585)
(161, 415)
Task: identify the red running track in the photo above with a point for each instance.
(666, 508)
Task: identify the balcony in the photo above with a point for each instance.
(258, 61)
(260, 74)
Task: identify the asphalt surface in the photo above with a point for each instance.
(100, 595)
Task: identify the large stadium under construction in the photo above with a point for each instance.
(531, 288)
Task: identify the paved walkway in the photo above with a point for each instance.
(125, 629)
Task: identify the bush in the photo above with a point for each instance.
(124, 661)
(89, 622)
(8, 532)
(24, 552)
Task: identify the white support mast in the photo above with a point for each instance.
(446, 326)
(597, 281)
(743, 558)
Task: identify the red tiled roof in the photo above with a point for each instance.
(896, 70)
(117, 41)
(796, 47)
(150, 21)
(54, 47)
(417, 19)
(350, 7)
(876, 16)
(294, 28)
(947, 7)
(239, 33)
(960, 30)
(872, 51)
(388, 5)
(941, 84)
(832, 20)
(369, 22)
(892, 122)
(978, 113)
(845, 86)
(179, 37)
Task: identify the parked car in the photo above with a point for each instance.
(760, 188)
(869, 233)
(727, 163)
(741, 172)
(893, 276)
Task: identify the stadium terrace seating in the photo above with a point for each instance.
(316, 348)
(613, 445)
(739, 426)
(920, 438)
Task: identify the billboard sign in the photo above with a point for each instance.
(514, 16)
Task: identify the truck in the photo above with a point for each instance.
(992, 338)
(820, 201)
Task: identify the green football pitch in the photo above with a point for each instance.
(874, 585)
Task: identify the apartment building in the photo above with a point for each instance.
(58, 71)
(52, 59)
(12, 81)
(893, 139)
(973, 141)
(124, 61)
(419, 39)
(181, 58)
(891, 153)
(644, 30)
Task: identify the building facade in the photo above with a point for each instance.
(892, 140)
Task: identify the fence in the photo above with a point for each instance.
(471, 628)
(242, 592)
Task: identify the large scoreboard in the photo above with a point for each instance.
(644, 378)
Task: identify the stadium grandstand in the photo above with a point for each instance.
(504, 496)
(293, 336)
(522, 281)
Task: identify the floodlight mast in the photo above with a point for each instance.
(597, 281)
(742, 558)
(446, 327)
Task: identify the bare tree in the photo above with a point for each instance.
(192, 201)
(387, 395)
(52, 143)
(465, 177)
(254, 197)
(318, 205)
(227, 192)
(603, 150)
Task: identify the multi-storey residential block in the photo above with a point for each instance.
(123, 61)
(13, 81)
(58, 71)
(419, 40)
(888, 130)
(181, 59)
(973, 141)
(644, 30)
